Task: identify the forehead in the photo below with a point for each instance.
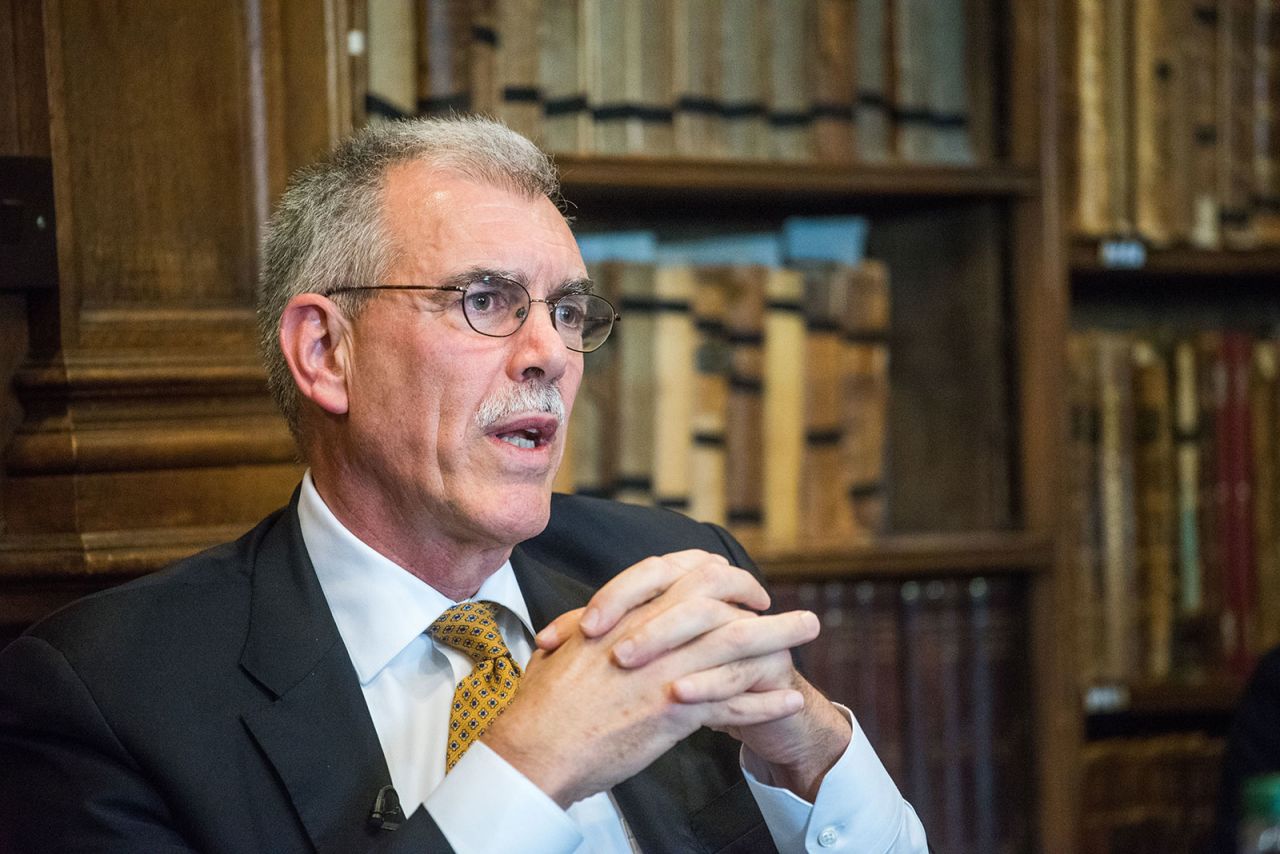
(443, 223)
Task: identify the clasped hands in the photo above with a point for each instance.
(669, 645)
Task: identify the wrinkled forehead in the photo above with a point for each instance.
(440, 222)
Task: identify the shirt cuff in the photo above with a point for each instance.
(857, 808)
(484, 805)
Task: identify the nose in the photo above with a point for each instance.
(539, 352)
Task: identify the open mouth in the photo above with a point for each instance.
(527, 433)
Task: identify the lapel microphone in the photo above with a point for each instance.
(386, 813)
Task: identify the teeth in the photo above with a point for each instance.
(518, 441)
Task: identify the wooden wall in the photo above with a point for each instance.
(136, 423)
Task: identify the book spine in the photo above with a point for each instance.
(647, 65)
(566, 116)
(831, 79)
(949, 96)
(783, 405)
(392, 60)
(1264, 410)
(825, 516)
(1155, 75)
(696, 51)
(865, 396)
(744, 422)
(874, 113)
(1118, 94)
(1155, 503)
(595, 418)
(1092, 178)
(444, 70)
(482, 56)
(674, 386)
(637, 392)
(1082, 473)
(517, 62)
(1236, 111)
(790, 115)
(1239, 569)
(744, 77)
(713, 356)
(1266, 171)
(1202, 58)
(1115, 476)
(876, 693)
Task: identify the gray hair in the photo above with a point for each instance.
(328, 230)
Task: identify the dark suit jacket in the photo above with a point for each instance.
(213, 706)
(1253, 748)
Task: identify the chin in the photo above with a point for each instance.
(516, 515)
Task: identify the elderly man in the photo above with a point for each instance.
(425, 651)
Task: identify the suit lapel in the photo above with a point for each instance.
(317, 733)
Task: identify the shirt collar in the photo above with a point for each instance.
(378, 606)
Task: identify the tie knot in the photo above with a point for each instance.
(472, 628)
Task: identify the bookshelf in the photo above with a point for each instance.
(1171, 249)
(977, 253)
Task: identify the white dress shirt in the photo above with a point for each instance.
(382, 613)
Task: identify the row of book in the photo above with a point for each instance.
(1152, 795)
(746, 384)
(1174, 105)
(935, 673)
(1173, 482)
(827, 80)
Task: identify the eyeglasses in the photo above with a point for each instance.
(497, 306)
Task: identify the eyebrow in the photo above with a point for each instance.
(582, 285)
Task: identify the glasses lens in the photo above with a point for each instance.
(495, 306)
(584, 321)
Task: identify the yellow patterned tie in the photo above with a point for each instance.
(488, 689)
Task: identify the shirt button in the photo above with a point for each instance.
(828, 837)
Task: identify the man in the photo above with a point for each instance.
(425, 310)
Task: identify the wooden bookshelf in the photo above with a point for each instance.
(906, 556)
(683, 180)
(1181, 263)
(1213, 695)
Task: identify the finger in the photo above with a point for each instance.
(637, 585)
(558, 630)
(672, 628)
(721, 580)
(753, 708)
(750, 638)
(728, 680)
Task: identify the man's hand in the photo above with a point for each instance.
(686, 605)
(667, 651)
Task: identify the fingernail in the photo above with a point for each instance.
(794, 701)
(623, 651)
(590, 620)
(546, 636)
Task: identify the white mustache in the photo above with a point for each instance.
(520, 399)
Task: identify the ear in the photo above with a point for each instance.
(314, 337)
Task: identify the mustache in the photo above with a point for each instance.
(527, 397)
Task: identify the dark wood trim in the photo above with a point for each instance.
(913, 555)
(1180, 262)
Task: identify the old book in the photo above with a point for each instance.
(1082, 497)
(912, 96)
(1237, 99)
(482, 57)
(831, 78)
(712, 358)
(872, 51)
(1202, 58)
(744, 419)
(562, 70)
(1204, 649)
(1154, 505)
(866, 395)
(1187, 438)
(828, 251)
(1115, 477)
(517, 60)
(444, 56)
(674, 385)
(629, 69)
(696, 55)
(949, 80)
(1088, 170)
(1235, 462)
(1118, 93)
(783, 373)
(1264, 412)
(826, 513)
(608, 423)
(1156, 77)
(392, 60)
(875, 692)
(744, 77)
(1266, 168)
(788, 96)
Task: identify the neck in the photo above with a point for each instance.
(455, 568)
